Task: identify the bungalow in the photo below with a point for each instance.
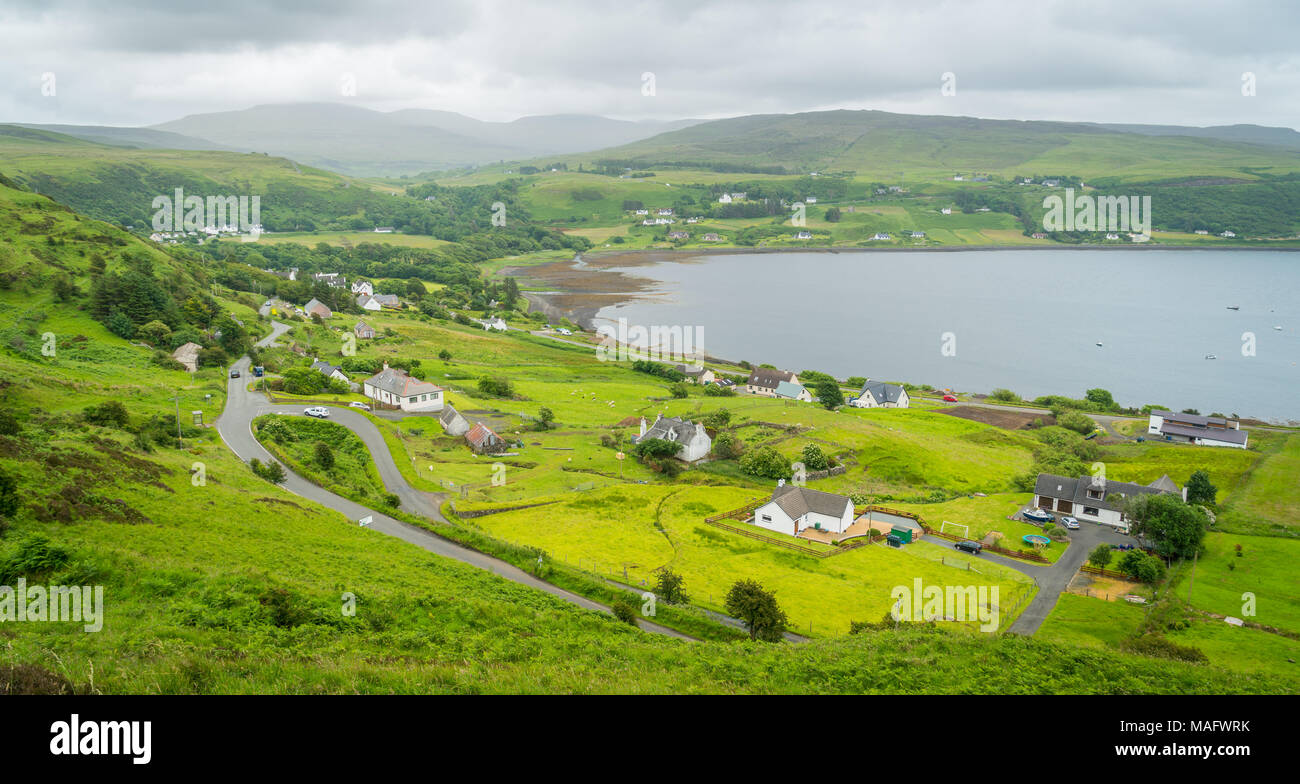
(803, 235)
(188, 355)
(643, 212)
(1038, 235)
(393, 388)
(496, 323)
(1228, 234)
(880, 235)
(787, 390)
(1202, 232)
(664, 212)
(794, 509)
(482, 440)
(918, 235)
(1112, 236)
(368, 302)
(331, 279)
(391, 301)
(317, 308)
(695, 442)
(1199, 430)
(696, 374)
(711, 237)
(364, 331)
(331, 372)
(764, 381)
(383, 229)
(946, 211)
(678, 235)
(362, 287)
(1095, 499)
(878, 394)
(810, 200)
(453, 424)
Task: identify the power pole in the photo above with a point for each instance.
(1192, 579)
(178, 418)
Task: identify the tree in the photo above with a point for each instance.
(765, 462)
(833, 215)
(857, 382)
(1143, 567)
(1199, 488)
(624, 611)
(814, 459)
(829, 394)
(717, 419)
(655, 449)
(415, 288)
(757, 608)
(110, 413)
(1104, 400)
(727, 445)
(1175, 528)
(497, 387)
(444, 355)
(1101, 556)
(545, 417)
(678, 390)
(324, 455)
(669, 587)
(1076, 421)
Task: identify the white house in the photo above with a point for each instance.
(764, 381)
(1228, 234)
(1093, 498)
(787, 390)
(695, 442)
(332, 372)
(453, 424)
(946, 211)
(497, 323)
(368, 302)
(697, 374)
(393, 388)
(1199, 430)
(880, 235)
(878, 394)
(803, 235)
(793, 509)
(810, 200)
(362, 287)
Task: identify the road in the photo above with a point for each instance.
(235, 427)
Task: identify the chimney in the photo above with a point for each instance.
(780, 483)
(385, 365)
(1184, 493)
(643, 426)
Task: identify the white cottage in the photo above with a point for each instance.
(695, 442)
(393, 388)
(878, 394)
(793, 509)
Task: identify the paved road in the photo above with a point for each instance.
(234, 426)
(1051, 580)
(277, 329)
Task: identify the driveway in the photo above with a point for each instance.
(1051, 580)
(235, 427)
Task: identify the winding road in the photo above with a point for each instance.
(235, 427)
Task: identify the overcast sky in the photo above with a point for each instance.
(139, 62)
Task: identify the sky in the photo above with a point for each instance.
(140, 62)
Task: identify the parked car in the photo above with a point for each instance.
(564, 331)
(234, 374)
(320, 412)
(950, 398)
(1037, 515)
(968, 546)
(358, 404)
(1069, 522)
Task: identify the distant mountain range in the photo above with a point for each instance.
(362, 142)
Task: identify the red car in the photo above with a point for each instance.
(950, 398)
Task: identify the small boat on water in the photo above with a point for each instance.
(1278, 328)
(1234, 307)
(1211, 356)
(1098, 342)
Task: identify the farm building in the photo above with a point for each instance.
(793, 509)
(453, 424)
(364, 330)
(482, 440)
(393, 388)
(317, 308)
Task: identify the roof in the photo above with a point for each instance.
(481, 435)
(788, 389)
(325, 367)
(187, 349)
(1112, 493)
(691, 370)
(395, 381)
(881, 392)
(314, 303)
(1227, 435)
(798, 501)
(670, 429)
(768, 377)
(362, 327)
(387, 299)
(1196, 420)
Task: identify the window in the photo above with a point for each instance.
(1092, 511)
(1094, 494)
(767, 518)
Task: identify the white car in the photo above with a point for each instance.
(1069, 522)
(320, 412)
(358, 404)
(564, 331)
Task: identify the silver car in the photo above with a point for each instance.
(320, 412)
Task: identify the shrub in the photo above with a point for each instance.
(272, 472)
(757, 608)
(678, 391)
(497, 387)
(765, 462)
(625, 612)
(1076, 421)
(814, 459)
(110, 413)
(324, 455)
(669, 586)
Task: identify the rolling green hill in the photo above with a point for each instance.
(893, 146)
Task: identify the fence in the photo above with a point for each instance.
(1023, 555)
(1090, 569)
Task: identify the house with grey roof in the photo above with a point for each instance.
(788, 390)
(696, 374)
(1094, 498)
(793, 509)
(315, 307)
(393, 388)
(764, 381)
(330, 371)
(391, 301)
(1196, 429)
(878, 394)
(695, 442)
